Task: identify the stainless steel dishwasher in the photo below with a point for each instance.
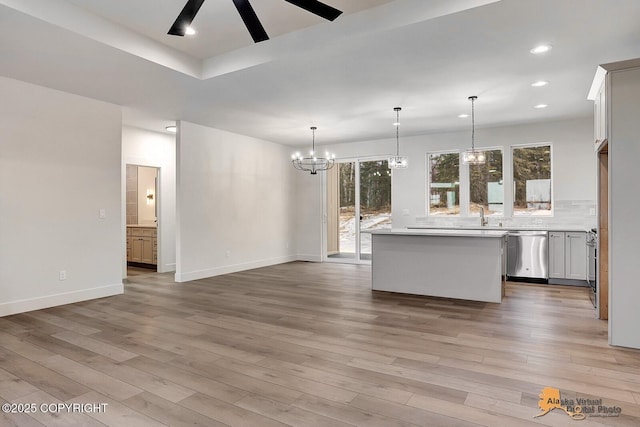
(527, 255)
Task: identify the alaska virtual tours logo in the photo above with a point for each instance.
(577, 409)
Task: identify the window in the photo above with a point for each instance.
(532, 180)
(444, 183)
(486, 189)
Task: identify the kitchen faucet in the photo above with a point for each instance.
(483, 221)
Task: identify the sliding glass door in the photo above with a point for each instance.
(375, 201)
(358, 201)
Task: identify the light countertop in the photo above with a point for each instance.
(494, 227)
(142, 226)
(457, 232)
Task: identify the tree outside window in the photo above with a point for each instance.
(444, 184)
(532, 180)
(486, 187)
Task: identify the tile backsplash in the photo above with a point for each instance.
(569, 213)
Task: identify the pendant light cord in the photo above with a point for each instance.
(398, 133)
(473, 123)
(313, 141)
(397, 110)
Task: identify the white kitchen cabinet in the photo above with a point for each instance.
(568, 255)
(600, 115)
(617, 269)
(556, 255)
(575, 255)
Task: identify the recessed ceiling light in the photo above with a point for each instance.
(190, 31)
(463, 116)
(540, 106)
(540, 49)
(171, 128)
(539, 83)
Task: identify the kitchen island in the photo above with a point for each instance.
(463, 264)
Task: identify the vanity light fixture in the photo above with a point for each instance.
(473, 156)
(149, 196)
(190, 31)
(313, 163)
(398, 161)
(171, 128)
(540, 106)
(539, 83)
(463, 116)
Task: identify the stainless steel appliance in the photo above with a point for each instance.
(527, 255)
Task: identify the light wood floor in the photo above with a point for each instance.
(307, 344)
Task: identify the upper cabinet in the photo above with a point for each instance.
(600, 115)
(598, 94)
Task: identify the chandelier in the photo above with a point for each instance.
(473, 156)
(398, 161)
(313, 163)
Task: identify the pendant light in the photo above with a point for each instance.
(473, 156)
(398, 161)
(313, 163)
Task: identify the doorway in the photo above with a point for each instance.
(358, 201)
(142, 201)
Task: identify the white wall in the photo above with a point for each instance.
(236, 207)
(59, 166)
(309, 195)
(146, 148)
(574, 170)
(624, 205)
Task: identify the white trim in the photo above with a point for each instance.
(598, 78)
(166, 268)
(234, 268)
(308, 257)
(38, 303)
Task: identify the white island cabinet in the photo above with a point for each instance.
(463, 264)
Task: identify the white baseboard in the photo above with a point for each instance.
(217, 271)
(22, 306)
(310, 258)
(167, 268)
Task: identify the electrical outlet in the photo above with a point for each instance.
(102, 213)
(62, 275)
(227, 253)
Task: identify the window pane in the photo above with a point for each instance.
(347, 203)
(485, 185)
(375, 201)
(444, 184)
(532, 180)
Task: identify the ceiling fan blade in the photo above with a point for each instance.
(185, 18)
(251, 20)
(314, 6)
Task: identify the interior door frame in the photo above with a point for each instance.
(356, 161)
(158, 206)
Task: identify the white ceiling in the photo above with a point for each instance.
(344, 77)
